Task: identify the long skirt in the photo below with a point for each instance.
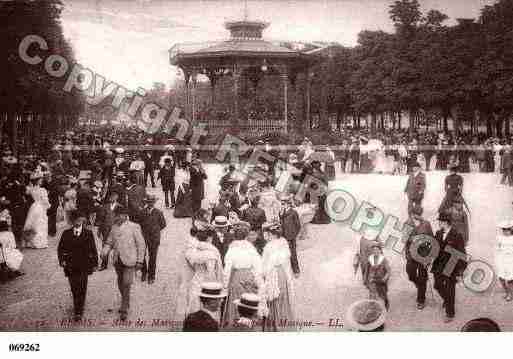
(330, 171)
(183, 205)
(241, 281)
(280, 309)
(36, 226)
(321, 217)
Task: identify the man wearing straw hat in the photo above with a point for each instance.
(248, 321)
(206, 319)
(152, 223)
(222, 238)
(291, 225)
(127, 242)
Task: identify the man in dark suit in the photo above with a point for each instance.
(135, 198)
(415, 187)
(291, 226)
(223, 208)
(197, 178)
(451, 244)
(118, 186)
(85, 200)
(78, 256)
(149, 166)
(167, 179)
(105, 220)
(417, 272)
(152, 222)
(222, 237)
(255, 216)
(206, 319)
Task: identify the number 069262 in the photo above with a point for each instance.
(23, 347)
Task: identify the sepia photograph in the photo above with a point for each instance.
(310, 166)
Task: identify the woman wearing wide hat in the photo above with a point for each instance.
(321, 216)
(183, 205)
(36, 223)
(278, 279)
(205, 261)
(242, 270)
(504, 258)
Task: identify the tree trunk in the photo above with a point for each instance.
(399, 118)
(498, 125)
(13, 121)
(505, 117)
(445, 119)
(339, 120)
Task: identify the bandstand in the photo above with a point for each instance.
(247, 57)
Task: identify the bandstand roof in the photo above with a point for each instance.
(245, 41)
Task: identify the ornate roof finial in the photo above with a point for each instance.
(245, 10)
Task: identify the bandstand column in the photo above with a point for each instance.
(194, 79)
(284, 79)
(308, 85)
(236, 79)
(187, 77)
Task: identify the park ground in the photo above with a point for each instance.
(41, 300)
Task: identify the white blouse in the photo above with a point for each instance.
(242, 254)
(276, 254)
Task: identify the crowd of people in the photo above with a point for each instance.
(241, 257)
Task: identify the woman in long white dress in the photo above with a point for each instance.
(277, 274)
(504, 258)
(242, 272)
(380, 157)
(270, 204)
(205, 261)
(36, 224)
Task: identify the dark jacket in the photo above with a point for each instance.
(290, 224)
(200, 321)
(220, 210)
(152, 223)
(78, 255)
(148, 161)
(416, 186)
(135, 200)
(196, 183)
(167, 177)
(85, 201)
(105, 219)
(120, 189)
(424, 228)
(455, 240)
(222, 246)
(255, 216)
